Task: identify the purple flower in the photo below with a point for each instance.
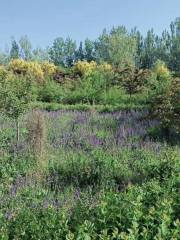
(95, 141)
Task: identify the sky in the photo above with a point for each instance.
(44, 20)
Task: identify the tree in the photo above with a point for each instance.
(89, 50)
(40, 54)
(102, 46)
(132, 79)
(122, 49)
(69, 52)
(4, 58)
(117, 47)
(62, 53)
(25, 48)
(174, 62)
(139, 47)
(163, 45)
(14, 52)
(16, 92)
(165, 107)
(79, 55)
(56, 52)
(148, 56)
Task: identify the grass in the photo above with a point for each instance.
(102, 176)
(88, 107)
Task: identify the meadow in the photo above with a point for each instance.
(89, 138)
(93, 176)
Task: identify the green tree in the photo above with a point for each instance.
(16, 92)
(79, 55)
(14, 52)
(62, 53)
(4, 58)
(163, 44)
(122, 47)
(25, 48)
(132, 79)
(174, 62)
(56, 52)
(165, 107)
(40, 54)
(69, 52)
(117, 47)
(148, 56)
(139, 47)
(102, 47)
(89, 50)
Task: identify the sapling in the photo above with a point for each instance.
(16, 93)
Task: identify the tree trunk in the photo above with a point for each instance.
(17, 130)
(167, 133)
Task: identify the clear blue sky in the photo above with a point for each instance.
(44, 20)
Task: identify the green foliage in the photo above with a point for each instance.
(50, 92)
(3, 73)
(14, 53)
(102, 173)
(25, 48)
(62, 52)
(117, 47)
(85, 191)
(132, 79)
(16, 93)
(165, 106)
(40, 55)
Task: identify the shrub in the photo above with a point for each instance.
(84, 67)
(162, 77)
(93, 84)
(15, 95)
(165, 106)
(3, 73)
(105, 67)
(161, 70)
(33, 69)
(49, 69)
(132, 79)
(50, 91)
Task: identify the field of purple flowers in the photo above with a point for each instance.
(88, 175)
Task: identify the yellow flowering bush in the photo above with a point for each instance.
(161, 70)
(20, 66)
(36, 71)
(105, 67)
(48, 68)
(84, 67)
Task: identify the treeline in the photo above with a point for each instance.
(120, 68)
(116, 47)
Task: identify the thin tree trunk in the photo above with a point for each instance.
(17, 130)
(167, 133)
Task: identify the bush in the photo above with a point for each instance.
(133, 80)
(161, 70)
(3, 73)
(84, 67)
(49, 69)
(50, 92)
(165, 106)
(33, 69)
